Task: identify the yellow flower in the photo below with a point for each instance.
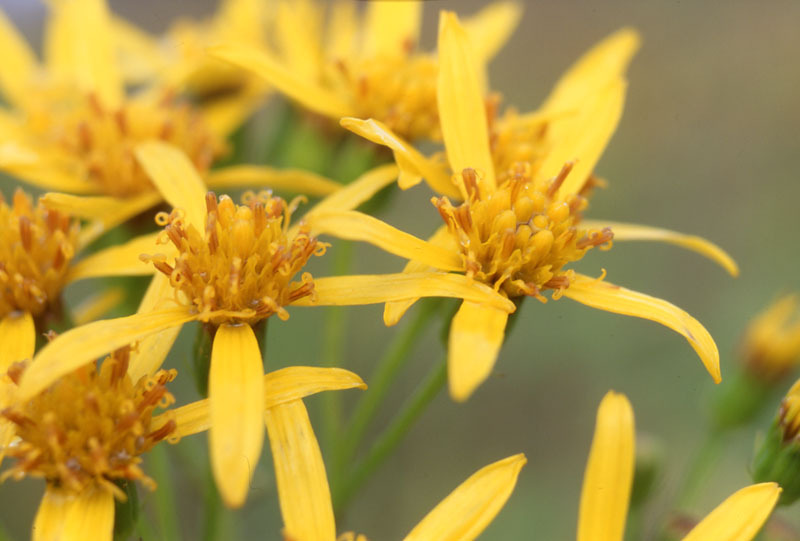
(81, 451)
(231, 266)
(521, 222)
(365, 66)
(609, 477)
(305, 498)
(72, 128)
(771, 346)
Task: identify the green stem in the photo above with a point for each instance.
(165, 494)
(335, 331)
(393, 359)
(212, 514)
(700, 468)
(393, 434)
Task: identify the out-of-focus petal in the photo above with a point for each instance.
(740, 517)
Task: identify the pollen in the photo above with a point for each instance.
(399, 90)
(36, 247)
(518, 238)
(242, 268)
(101, 141)
(90, 427)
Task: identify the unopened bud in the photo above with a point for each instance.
(771, 345)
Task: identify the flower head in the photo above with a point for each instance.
(242, 268)
(36, 247)
(366, 66)
(771, 345)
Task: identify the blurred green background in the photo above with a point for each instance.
(708, 144)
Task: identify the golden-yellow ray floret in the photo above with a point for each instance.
(36, 247)
(518, 238)
(90, 427)
(101, 140)
(241, 268)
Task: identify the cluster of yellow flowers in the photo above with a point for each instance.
(127, 129)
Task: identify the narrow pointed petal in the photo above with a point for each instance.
(290, 180)
(413, 165)
(343, 27)
(81, 345)
(297, 32)
(352, 225)
(462, 111)
(609, 472)
(32, 168)
(740, 517)
(391, 28)
(490, 28)
(582, 137)
(120, 260)
(378, 288)
(19, 62)
(354, 194)
(604, 63)
(303, 490)
(393, 311)
(176, 178)
(236, 406)
(79, 45)
(613, 298)
(50, 517)
(108, 211)
(476, 334)
(17, 339)
(471, 507)
(264, 65)
(624, 232)
(151, 350)
(95, 306)
(223, 116)
(89, 516)
(282, 386)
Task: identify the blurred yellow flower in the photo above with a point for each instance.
(363, 65)
(520, 222)
(71, 127)
(231, 266)
(305, 498)
(771, 345)
(609, 477)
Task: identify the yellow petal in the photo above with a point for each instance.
(296, 31)
(236, 406)
(49, 522)
(263, 64)
(582, 137)
(224, 115)
(79, 44)
(413, 165)
(17, 339)
(462, 111)
(303, 490)
(613, 298)
(393, 311)
(352, 225)
(64, 515)
(176, 178)
(35, 169)
(391, 28)
(19, 62)
(81, 345)
(740, 517)
(476, 334)
(151, 350)
(290, 180)
(623, 232)
(108, 211)
(95, 306)
(139, 55)
(120, 260)
(604, 63)
(471, 507)
(342, 28)
(490, 28)
(354, 194)
(609, 472)
(284, 385)
(378, 288)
